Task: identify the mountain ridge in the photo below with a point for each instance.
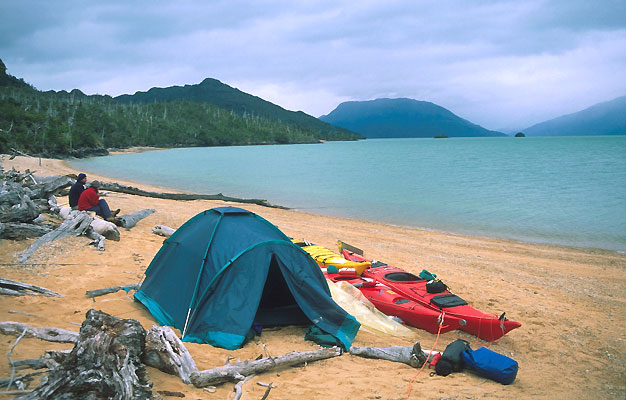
(213, 91)
(604, 118)
(403, 118)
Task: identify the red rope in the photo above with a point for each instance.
(441, 318)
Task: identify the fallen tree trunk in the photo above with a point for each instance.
(130, 220)
(25, 212)
(239, 371)
(105, 228)
(21, 231)
(51, 185)
(113, 289)
(410, 355)
(75, 226)
(116, 187)
(167, 353)
(104, 364)
(22, 289)
(49, 334)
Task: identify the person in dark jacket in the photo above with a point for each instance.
(76, 190)
(90, 201)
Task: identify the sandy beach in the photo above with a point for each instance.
(571, 303)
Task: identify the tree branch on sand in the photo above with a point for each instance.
(15, 288)
(116, 187)
(410, 355)
(239, 371)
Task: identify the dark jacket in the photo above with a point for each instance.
(75, 192)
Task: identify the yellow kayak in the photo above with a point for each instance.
(325, 257)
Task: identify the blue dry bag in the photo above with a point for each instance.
(490, 364)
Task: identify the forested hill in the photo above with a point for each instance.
(62, 124)
(214, 92)
(607, 118)
(402, 118)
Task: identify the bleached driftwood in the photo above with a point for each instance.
(21, 231)
(239, 387)
(116, 187)
(48, 334)
(102, 292)
(74, 226)
(104, 363)
(163, 230)
(96, 238)
(106, 229)
(19, 382)
(238, 371)
(26, 211)
(21, 289)
(167, 353)
(130, 220)
(50, 185)
(410, 355)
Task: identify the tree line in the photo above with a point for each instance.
(62, 124)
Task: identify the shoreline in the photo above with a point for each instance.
(570, 302)
(165, 189)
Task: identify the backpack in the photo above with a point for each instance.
(492, 365)
(451, 359)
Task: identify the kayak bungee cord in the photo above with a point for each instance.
(441, 320)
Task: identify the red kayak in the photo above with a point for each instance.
(435, 296)
(395, 304)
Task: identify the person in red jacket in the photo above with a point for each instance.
(90, 201)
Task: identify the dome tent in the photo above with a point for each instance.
(228, 267)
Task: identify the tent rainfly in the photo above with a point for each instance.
(227, 268)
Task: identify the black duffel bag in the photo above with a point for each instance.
(451, 359)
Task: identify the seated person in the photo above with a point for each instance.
(90, 201)
(77, 189)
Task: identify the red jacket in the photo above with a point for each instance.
(89, 198)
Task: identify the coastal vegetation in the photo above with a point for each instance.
(62, 124)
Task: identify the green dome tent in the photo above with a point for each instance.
(226, 268)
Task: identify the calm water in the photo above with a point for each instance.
(559, 190)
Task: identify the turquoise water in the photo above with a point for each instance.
(559, 190)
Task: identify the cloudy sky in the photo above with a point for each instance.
(501, 64)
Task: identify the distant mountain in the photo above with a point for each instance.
(214, 92)
(608, 118)
(402, 118)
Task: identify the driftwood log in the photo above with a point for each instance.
(25, 211)
(163, 230)
(239, 371)
(21, 231)
(75, 226)
(50, 185)
(116, 187)
(113, 289)
(104, 364)
(410, 355)
(15, 288)
(167, 353)
(97, 239)
(49, 334)
(130, 220)
(105, 228)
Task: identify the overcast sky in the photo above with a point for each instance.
(500, 64)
